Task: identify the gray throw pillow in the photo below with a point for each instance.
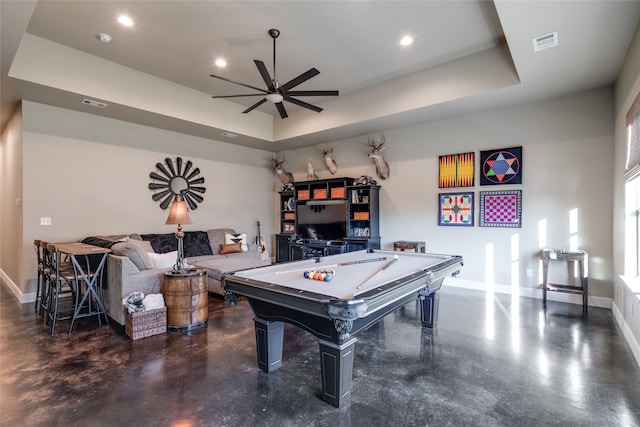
(137, 251)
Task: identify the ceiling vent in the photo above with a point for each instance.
(93, 103)
(545, 42)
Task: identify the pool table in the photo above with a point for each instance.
(367, 286)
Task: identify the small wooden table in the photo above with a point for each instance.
(402, 245)
(579, 256)
(187, 299)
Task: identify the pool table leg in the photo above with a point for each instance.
(429, 310)
(336, 362)
(269, 339)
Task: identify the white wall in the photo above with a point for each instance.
(626, 304)
(90, 175)
(11, 201)
(567, 160)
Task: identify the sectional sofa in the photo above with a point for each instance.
(137, 262)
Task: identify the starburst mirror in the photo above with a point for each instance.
(171, 179)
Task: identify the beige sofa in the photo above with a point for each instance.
(130, 268)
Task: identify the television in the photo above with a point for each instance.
(322, 220)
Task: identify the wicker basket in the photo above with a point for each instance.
(146, 323)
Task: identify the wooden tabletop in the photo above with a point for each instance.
(78, 248)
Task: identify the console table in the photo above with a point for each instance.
(579, 256)
(403, 245)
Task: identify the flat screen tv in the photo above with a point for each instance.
(322, 221)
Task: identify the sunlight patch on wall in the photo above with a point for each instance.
(489, 279)
(515, 292)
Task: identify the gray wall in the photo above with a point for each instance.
(567, 160)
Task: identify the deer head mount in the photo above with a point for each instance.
(278, 166)
(327, 155)
(376, 142)
(311, 171)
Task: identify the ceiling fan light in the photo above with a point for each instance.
(274, 97)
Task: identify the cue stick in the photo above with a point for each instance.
(389, 264)
(360, 261)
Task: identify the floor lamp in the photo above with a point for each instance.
(179, 214)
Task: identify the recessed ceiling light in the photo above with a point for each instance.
(228, 134)
(221, 62)
(104, 37)
(406, 41)
(125, 20)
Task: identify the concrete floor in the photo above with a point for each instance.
(491, 362)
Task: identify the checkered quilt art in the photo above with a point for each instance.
(501, 208)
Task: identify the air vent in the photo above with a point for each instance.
(545, 42)
(93, 103)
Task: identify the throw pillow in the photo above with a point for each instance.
(166, 260)
(216, 238)
(230, 248)
(137, 251)
(237, 238)
(196, 243)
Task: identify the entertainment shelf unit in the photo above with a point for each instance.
(336, 202)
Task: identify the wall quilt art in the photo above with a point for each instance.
(455, 209)
(501, 208)
(457, 170)
(503, 166)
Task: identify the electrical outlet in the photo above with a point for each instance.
(529, 272)
(45, 220)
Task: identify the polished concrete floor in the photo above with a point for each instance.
(491, 362)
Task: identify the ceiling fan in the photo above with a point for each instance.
(275, 92)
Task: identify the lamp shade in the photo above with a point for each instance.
(179, 214)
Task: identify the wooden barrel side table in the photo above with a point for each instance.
(186, 297)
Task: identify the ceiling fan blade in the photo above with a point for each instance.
(237, 96)
(238, 83)
(265, 75)
(256, 105)
(313, 93)
(302, 104)
(300, 79)
(281, 110)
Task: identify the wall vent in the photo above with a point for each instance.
(545, 42)
(93, 103)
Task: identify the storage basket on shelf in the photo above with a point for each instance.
(146, 323)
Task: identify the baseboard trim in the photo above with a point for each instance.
(15, 290)
(626, 332)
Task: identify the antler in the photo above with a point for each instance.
(376, 141)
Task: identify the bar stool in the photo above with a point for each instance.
(44, 270)
(39, 285)
(62, 289)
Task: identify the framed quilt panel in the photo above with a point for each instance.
(503, 166)
(457, 170)
(501, 208)
(456, 209)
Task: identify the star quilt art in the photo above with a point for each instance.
(503, 166)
